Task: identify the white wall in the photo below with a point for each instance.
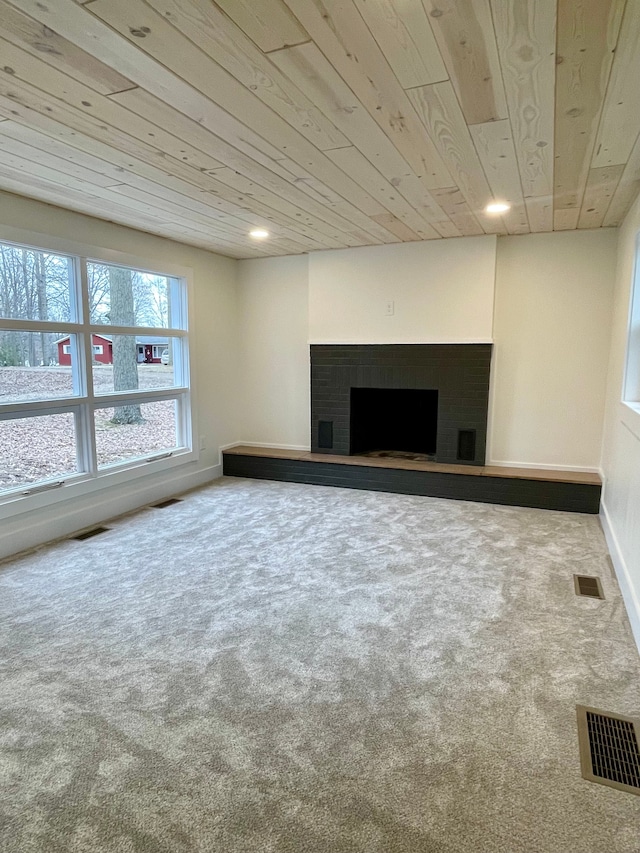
(551, 333)
(274, 352)
(214, 367)
(621, 448)
(553, 298)
(442, 292)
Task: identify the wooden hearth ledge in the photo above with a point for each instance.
(548, 475)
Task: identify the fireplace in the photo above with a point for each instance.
(394, 421)
(427, 400)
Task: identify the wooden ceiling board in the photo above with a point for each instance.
(189, 101)
(620, 124)
(269, 172)
(464, 32)
(353, 162)
(439, 107)
(328, 90)
(275, 177)
(494, 144)
(455, 206)
(587, 37)
(404, 35)
(566, 218)
(306, 64)
(332, 123)
(224, 42)
(278, 209)
(600, 189)
(142, 208)
(43, 42)
(627, 190)
(24, 100)
(268, 23)
(526, 37)
(142, 27)
(341, 34)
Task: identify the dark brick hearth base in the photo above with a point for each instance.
(559, 490)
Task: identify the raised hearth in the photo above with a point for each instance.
(560, 490)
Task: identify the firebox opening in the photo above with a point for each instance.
(393, 421)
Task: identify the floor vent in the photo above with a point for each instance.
(88, 534)
(168, 502)
(609, 752)
(587, 585)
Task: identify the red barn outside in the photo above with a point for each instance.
(149, 350)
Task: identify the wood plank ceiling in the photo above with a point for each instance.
(331, 123)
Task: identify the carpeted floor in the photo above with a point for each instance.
(291, 669)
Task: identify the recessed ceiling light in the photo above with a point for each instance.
(258, 234)
(497, 207)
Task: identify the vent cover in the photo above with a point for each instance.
(587, 585)
(325, 435)
(88, 534)
(609, 752)
(466, 445)
(168, 502)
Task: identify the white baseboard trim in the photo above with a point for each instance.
(629, 595)
(30, 530)
(544, 466)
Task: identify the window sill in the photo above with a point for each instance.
(631, 416)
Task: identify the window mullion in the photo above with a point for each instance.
(83, 374)
(48, 326)
(144, 331)
(185, 435)
(131, 398)
(34, 408)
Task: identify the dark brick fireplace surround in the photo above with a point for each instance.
(460, 375)
(458, 372)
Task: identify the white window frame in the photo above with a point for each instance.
(97, 349)
(631, 381)
(66, 349)
(82, 406)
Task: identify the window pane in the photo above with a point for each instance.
(126, 297)
(133, 431)
(34, 366)
(36, 449)
(130, 362)
(35, 285)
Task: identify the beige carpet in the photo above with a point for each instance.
(287, 668)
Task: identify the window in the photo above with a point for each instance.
(64, 421)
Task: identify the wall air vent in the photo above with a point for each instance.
(325, 435)
(466, 445)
